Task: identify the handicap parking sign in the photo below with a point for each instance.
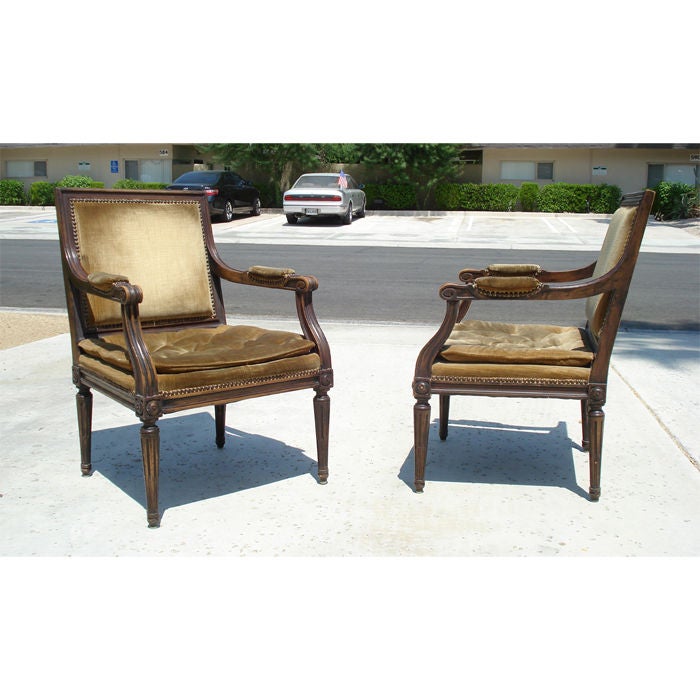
(114, 166)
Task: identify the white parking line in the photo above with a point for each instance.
(549, 225)
(571, 228)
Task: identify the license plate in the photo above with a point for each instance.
(311, 212)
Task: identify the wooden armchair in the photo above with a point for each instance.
(481, 358)
(143, 283)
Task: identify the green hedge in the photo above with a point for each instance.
(578, 199)
(529, 191)
(469, 196)
(127, 184)
(41, 194)
(12, 192)
(674, 200)
(79, 181)
(390, 196)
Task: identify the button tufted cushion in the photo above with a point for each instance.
(197, 349)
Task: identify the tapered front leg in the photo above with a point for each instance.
(596, 420)
(150, 447)
(84, 404)
(322, 412)
(421, 424)
(220, 419)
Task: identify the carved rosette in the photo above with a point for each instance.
(148, 409)
(596, 394)
(421, 389)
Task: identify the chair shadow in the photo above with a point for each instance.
(192, 468)
(481, 452)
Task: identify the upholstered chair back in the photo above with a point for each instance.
(611, 253)
(157, 245)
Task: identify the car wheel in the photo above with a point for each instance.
(255, 211)
(292, 218)
(361, 213)
(347, 217)
(228, 211)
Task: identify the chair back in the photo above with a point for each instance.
(619, 250)
(156, 239)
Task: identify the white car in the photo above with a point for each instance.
(324, 194)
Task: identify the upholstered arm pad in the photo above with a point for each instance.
(506, 286)
(510, 269)
(269, 275)
(104, 281)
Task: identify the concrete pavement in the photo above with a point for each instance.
(509, 481)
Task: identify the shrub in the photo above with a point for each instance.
(79, 181)
(12, 192)
(528, 196)
(42, 194)
(473, 197)
(127, 184)
(578, 199)
(390, 196)
(675, 200)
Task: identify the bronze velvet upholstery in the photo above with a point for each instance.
(144, 285)
(611, 252)
(521, 360)
(158, 246)
(194, 349)
(506, 286)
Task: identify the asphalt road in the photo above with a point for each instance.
(386, 285)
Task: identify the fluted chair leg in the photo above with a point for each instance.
(322, 410)
(596, 420)
(421, 425)
(84, 404)
(150, 447)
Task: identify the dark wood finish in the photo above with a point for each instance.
(561, 285)
(147, 401)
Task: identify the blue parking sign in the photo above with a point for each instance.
(114, 166)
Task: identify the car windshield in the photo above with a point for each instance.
(329, 181)
(202, 177)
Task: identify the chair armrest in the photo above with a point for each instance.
(118, 288)
(530, 288)
(529, 270)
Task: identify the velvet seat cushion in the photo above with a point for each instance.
(201, 349)
(483, 349)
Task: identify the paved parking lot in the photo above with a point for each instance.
(516, 230)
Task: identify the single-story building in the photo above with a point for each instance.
(629, 166)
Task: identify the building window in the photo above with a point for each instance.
(131, 169)
(526, 170)
(26, 168)
(144, 170)
(670, 172)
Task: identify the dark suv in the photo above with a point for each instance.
(228, 193)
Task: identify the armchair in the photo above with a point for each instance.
(482, 358)
(143, 282)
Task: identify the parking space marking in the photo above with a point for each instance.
(549, 225)
(566, 223)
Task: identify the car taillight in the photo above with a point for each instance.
(211, 192)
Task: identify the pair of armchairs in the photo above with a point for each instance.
(143, 282)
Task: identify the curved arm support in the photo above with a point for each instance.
(469, 274)
(545, 291)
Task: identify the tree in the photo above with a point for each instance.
(422, 165)
(283, 162)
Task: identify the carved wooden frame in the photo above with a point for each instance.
(147, 402)
(552, 286)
